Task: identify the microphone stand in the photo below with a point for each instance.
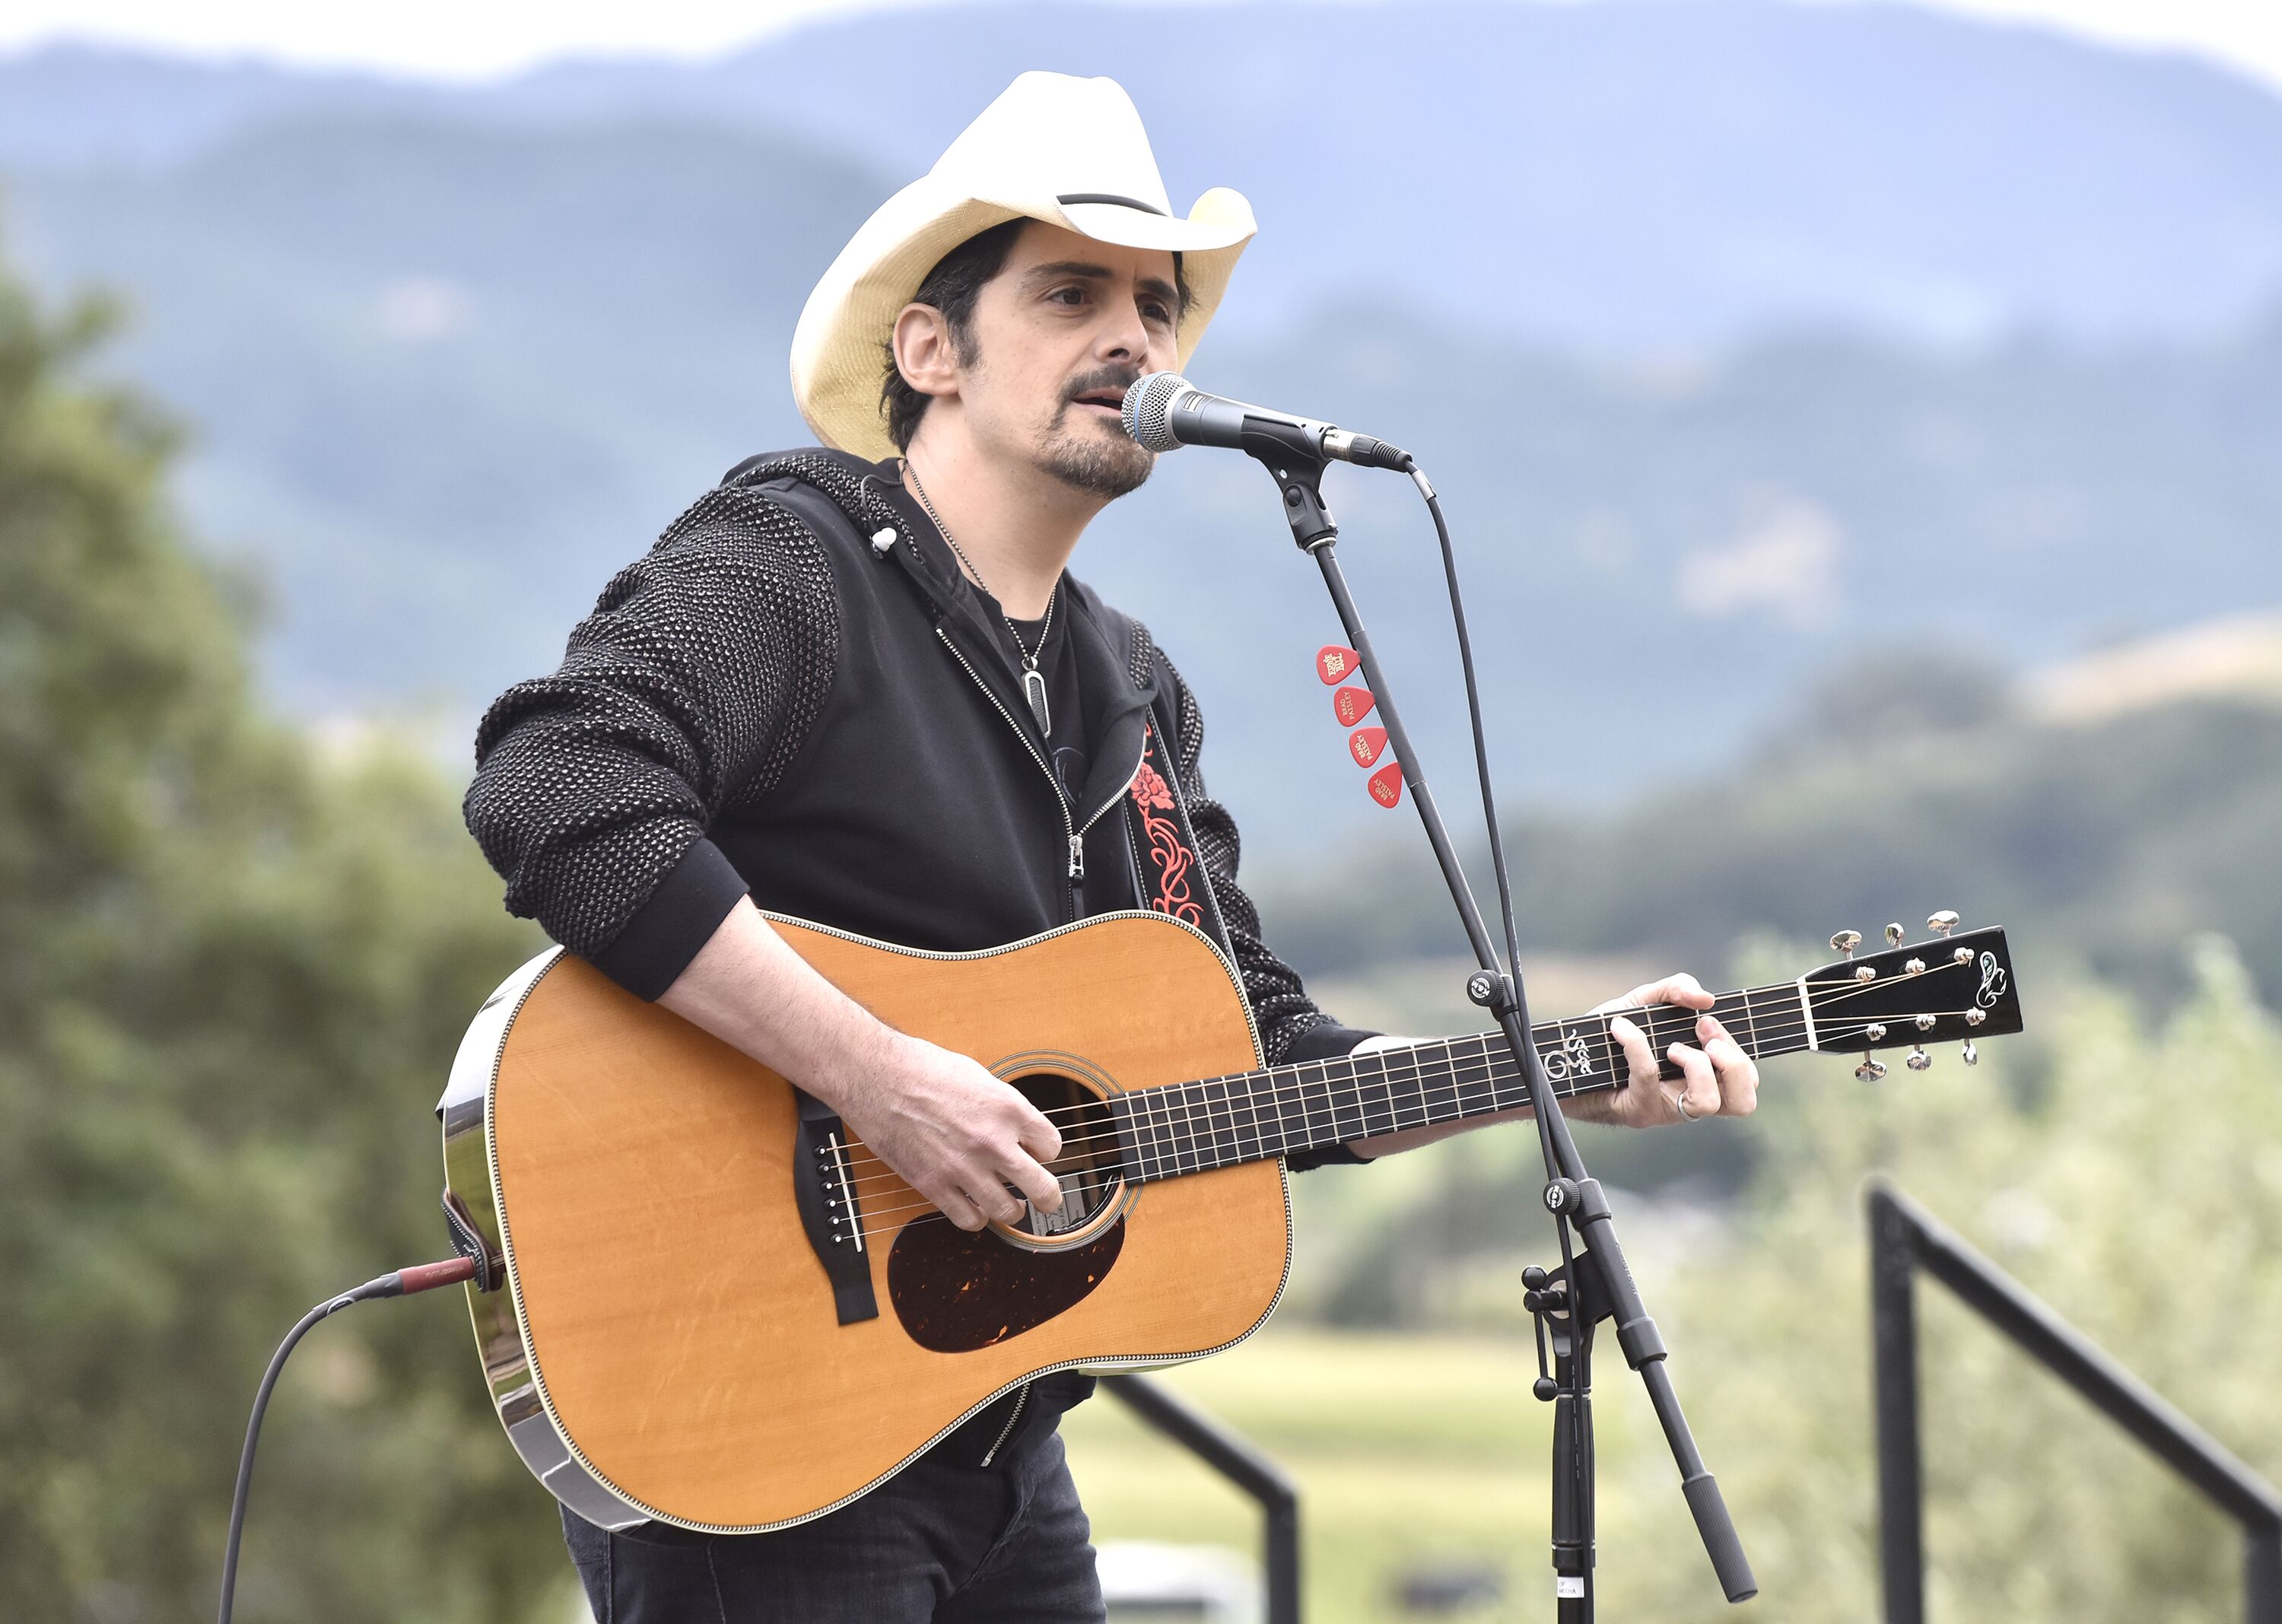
(1593, 1282)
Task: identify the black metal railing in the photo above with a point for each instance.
(1239, 1460)
(1905, 1239)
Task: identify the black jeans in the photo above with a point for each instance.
(934, 1544)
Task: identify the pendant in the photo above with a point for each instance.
(1034, 690)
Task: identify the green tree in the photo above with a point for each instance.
(2132, 1179)
(233, 967)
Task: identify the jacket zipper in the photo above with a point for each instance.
(1007, 1431)
(1074, 832)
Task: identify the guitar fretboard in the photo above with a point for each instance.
(1179, 1128)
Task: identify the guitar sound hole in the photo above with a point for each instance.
(1088, 1168)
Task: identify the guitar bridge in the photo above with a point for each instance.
(825, 1193)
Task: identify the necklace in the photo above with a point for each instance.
(1034, 680)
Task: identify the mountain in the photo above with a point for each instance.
(2105, 834)
(1654, 558)
(448, 379)
(445, 380)
(452, 357)
(1628, 173)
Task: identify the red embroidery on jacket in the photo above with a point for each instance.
(1167, 852)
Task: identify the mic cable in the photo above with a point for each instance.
(403, 1283)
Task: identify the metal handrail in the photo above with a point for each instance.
(1240, 1460)
(1905, 1238)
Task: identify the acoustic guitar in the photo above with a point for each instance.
(702, 1302)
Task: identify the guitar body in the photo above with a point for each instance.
(663, 1342)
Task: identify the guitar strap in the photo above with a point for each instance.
(820, 1178)
(1174, 879)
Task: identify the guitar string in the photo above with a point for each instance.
(1648, 1015)
(1775, 1030)
(1397, 1066)
(1450, 1068)
(1235, 1132)
(1222, 1118)
(1443, 1078)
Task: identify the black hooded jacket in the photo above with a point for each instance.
(770, 700)
(795, 694)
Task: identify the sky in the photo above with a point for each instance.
(454, 39)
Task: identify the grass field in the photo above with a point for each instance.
(1408, 1451)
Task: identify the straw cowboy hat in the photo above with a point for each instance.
(1070, 151)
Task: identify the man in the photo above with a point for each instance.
(856, 684)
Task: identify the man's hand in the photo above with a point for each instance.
(955, 1133)
(1717, 1077)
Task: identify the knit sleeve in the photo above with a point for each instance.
(1290, 1026)
(693, 683)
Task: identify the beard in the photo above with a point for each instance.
(1106, 465)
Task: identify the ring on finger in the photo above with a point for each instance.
(1685, 1115)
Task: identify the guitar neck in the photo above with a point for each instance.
(1179, 1128)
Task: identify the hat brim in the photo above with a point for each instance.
(839, 350)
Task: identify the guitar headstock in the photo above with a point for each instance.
(1954, 986)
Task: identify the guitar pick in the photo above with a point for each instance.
(1334, 663)
(1352, 705)
(1387, 784)
(1365, 743)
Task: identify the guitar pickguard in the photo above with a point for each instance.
(955, 1291)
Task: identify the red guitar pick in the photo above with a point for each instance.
(1387, 784)
(1334, 663)
(1364, 744)
(1352, 705)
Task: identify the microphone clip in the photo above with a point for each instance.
(1292, 459)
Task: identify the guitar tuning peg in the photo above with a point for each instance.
(1970, 1055)
(1893, 935)
(1942, 922)
(1871, 1068)
(1846, 942)
(1917, 1059)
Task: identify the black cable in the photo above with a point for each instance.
(1474, 715)
(253, 1436)
(424, 1277)
(1579, 1327)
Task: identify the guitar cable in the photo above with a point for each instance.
(403, 1283)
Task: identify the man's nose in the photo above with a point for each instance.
(1126, 338)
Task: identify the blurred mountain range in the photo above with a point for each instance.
(2107, 811)
(1738, 334)
(1622, 173)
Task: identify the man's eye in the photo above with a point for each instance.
(1069, 296)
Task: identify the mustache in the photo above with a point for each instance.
(1118, 377)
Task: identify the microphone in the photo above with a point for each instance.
(1164, 411)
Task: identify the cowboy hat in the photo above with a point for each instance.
(1068, 151)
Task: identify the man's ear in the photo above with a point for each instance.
(924, 352)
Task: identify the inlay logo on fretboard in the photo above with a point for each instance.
(1571, 1058)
